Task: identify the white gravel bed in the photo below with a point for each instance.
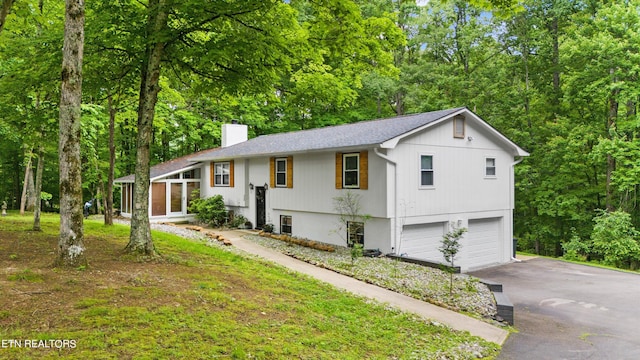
(428, 284)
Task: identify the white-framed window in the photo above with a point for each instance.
(351, 170)
(426, 170)
(285, 224)
(490, 167)
(281, 172)
(222, 173)
(458, 127)
(191, 174)
(355, 233)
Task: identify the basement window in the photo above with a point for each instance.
(355, 233)
(285, 224)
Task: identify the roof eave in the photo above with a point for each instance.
(177, 171)
(288, 153)
(518, 151)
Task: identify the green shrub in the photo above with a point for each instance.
(238, 221)
(210, 210)
(576, 249)
(615, 239)
(268, 228)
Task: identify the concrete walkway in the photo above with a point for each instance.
(450, 318)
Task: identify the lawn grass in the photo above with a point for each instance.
(193, 302)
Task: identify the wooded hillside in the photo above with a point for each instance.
(559, 78)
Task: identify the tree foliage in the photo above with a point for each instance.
(615, 239)
(558, 77)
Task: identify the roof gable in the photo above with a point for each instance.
(469, 115)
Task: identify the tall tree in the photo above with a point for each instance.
(38, 189)
(140, 240)
(4, 11)
(71, 250)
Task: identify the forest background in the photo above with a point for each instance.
(558, 77)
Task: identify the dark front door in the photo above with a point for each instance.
(261, 207)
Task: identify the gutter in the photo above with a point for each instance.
(395, 197)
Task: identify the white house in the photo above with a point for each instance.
(416, 176)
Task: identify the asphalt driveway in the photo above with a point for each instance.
(569, 311)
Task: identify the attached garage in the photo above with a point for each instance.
(422, 241)
(482, 244)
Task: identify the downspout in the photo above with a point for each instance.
(512, 203)
(395, 197)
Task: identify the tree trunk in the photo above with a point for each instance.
(611, 124)
(6, 7)
(25, 185)
(71, 251)
(31, 190)
(140, 238)
(99, 191)
(399, 103)
(108, 201)
(38, 189)
(554, 29)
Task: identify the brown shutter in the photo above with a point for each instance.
(272, 172)
(212, 181)
(231, 182)
(290, 172)
(338, 170)
(364, 170)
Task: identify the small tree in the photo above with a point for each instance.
(575, 249)
(450, 248)
(349, 209)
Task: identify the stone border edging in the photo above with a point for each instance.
(503, 304)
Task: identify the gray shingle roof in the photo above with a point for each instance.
(360, 134)
(168, 167)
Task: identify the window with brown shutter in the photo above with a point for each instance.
(281, 172)
(222, 174)
(352, 170)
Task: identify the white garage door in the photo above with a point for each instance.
(422, 241)
(482, 244)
